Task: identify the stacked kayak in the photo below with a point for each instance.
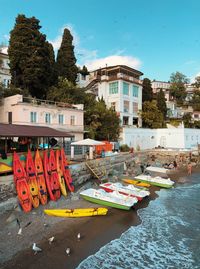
(113, 199)
(77, 212)
(137, 183)
(156, 181)
(128, 190)
(66, 171)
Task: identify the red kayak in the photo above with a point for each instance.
(51, 179)
(32, 180)
(40, 178)
(66, 171)
(22, 188)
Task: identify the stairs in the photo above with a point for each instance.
(95, 170)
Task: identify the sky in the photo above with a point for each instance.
(157, 37)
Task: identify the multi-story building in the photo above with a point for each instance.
(30, 111)
(5, 76)
(121, 88)
(161, 85)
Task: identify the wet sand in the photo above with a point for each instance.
(95, 232)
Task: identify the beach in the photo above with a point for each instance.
(95, 233)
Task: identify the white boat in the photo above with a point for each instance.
(113, 199)
(128, 190)
(157, 169)
(156, 181)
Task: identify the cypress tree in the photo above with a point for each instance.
(31, 59)
(147, 92)
(66, 61)
(161, 104)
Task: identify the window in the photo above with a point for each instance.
(60, 119)
(47, 118)
(125, 120)
(125, 88)
(135, 121)
(113, 87)
(135, 107)
(126, 106)
(135, 91)
(72, 120)
(33, 116)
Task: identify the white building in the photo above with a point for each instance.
(5, 76)
(30, 111)
(161, 85)
(121, 88)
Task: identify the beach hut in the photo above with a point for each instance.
(86, 142)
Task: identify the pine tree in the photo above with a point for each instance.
(161, 104)
(147, 92)
(31, 59)
(66, 61)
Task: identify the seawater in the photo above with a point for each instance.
(167, 238)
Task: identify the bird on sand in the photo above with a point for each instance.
(68, 250)
(78, 236)
(51, 239)
(20, 231)
(36, 249)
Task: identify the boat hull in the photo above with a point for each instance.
(76, 213)
(157, 184)
(105, 203)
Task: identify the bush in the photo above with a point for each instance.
(124, 148)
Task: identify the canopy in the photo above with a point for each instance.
(87, 142)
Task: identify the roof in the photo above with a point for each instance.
(87, 142)
(14, 130)
(108, 68)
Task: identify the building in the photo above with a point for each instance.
(30, 111)
(161, 85)
(121, 88)
(5, 76)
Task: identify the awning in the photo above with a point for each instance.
(87, 142)
(16, 130)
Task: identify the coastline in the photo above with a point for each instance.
(95, 232)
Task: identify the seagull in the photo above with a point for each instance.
(20, 231)
(51, 239)
(68, 250)
(36, 249)
(78, 236)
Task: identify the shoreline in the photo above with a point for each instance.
(95, 233)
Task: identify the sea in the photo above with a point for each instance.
(167, 238)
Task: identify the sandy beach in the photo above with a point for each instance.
(95, 232)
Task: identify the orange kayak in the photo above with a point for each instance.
(40, 178)
(66, 171)
(31, 180)
(22, 188)
(60, 174)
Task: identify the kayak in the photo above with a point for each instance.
(31, 180)
(137, 183)
(51, 187)
(22, 188)
(77, 212)
(54, 175)
(66, 171)
(60, 174)
(40, 178)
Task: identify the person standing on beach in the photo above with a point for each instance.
(189, 168)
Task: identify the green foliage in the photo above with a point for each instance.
(195, 102)
(197, 82)
(187, 118)
(66, 61)
(161, 104)
(151, 115)
(84, 71)
(31, 57)
(147, 93)
(124, 148)
(177, 88)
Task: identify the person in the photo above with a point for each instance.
(189, 167)
(175, 164)
(103, 153)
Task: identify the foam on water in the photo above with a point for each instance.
(168, 237)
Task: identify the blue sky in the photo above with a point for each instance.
(157, 37)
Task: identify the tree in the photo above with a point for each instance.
(161, 104)
(31, 57)
(187, 120)
(197, 82)
(84, 71)
(66, 61)
(195, 102)
(151, 115)
(147, 92)
(177, 88)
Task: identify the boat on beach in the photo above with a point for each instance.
(77, 212)
(112, 199)
(156, 181)
(128, 190)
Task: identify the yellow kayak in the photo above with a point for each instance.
(136, 182)
(77, 212)
(60, 174)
